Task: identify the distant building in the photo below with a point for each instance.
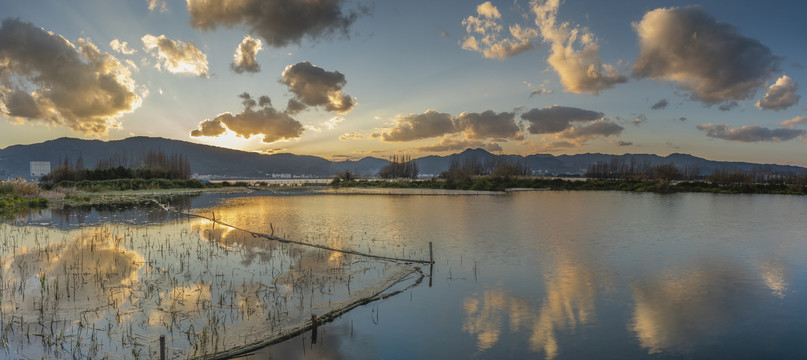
(39, 169)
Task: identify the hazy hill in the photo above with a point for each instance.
(217, 161)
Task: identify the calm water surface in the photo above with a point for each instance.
(563, 275)
(548, 275)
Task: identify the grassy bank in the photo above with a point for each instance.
(490, 183)
(18, 195)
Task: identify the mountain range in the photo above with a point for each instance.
(217, 162)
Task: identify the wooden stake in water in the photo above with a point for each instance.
(431, 256)
(313, 328)
(162, 347)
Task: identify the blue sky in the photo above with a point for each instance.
(348, 79)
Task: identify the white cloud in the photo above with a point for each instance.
(157, 4)
(79, 88)
(484, 34)
(781, 95)
(709, 59)
(176, 56)
(798, 120)
(267, 122)
(121, 47)
(314, 86)
(244, 57)
(580, 70)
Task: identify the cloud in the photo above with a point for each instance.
(554, 119)
(266, 121)
(121, 47)
(209, 128)
(540, 92)
(639, 120)
(244, 57)
(278, 22)
(459, 144)
(793, 122)
(313, 86)
(622, 143)
(726, 106)
(333, 122)
(175, 56)
(353, 135)
(489, 125)
(80, 88)
(781, 95)
(157, 4)
(484, 34)
(412, 127)
(580, 70)
(753, 133)
(707, 58)
(599, 128)
(661, 104)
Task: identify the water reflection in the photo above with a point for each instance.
(773, 273)
(684, 309)
(568, 304)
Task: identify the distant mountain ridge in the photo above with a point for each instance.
(227, 163)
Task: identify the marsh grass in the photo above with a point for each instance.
(110, 291)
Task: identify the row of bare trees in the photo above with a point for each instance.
(618, 169)
(399, 167)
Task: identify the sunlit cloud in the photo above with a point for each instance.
(709, 59)
(472, 126)
(176, 56)
(574, 52)
(267, 122)
(411, 127)
(596, 129)
(489, 124)
(79, 88)
(121, 47)
(333, 122)
(793, 122)
(314, 86)
(484, 34)
(244, 57)
(753, 133)
(353, 135)
(278, 22)
(157, 5)
(781, 95)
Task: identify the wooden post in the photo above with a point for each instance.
(431, 256)
(313, 328)
(162, 347)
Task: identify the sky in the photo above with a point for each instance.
(346, 79)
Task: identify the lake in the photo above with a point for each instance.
(538, 274)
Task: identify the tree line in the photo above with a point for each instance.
(618, 169)
(150, 165)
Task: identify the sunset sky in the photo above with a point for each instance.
(348, 79)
